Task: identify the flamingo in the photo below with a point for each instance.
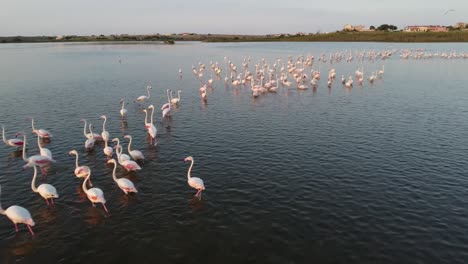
(80, 171)
(43, 151)
(175, 101)
(120, 157)
(143, 98)
(194, 182)
(47, 191)
(108, 151)
(104, 133)
(18, 215)
(123, 111)
(168, 104)
(124, 184)
(95, 195)
(38, 160)
(136, 154)
(14, 142)
(90, 135)
(152, 130)
(41, 132)
(126, 163)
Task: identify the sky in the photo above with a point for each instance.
(94, 17)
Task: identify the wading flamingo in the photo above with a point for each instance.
(143, 98)
(126, 163)
(152, 130)
(104, 133)
(14, 142)
(43, 151)
(18, 215)
(80, 171)
(120, 157)
(123, 111)
(90, 135)
(95, 195)
(176, 101)
(166, 108)
(194, 182)
(41, 132)
(108, 151)
(135, 154)
(47, 191)
(38, 160)
(124, 184)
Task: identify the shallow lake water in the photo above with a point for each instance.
(371, 174)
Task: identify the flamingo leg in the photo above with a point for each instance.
(52, 201)
(16, 227)
(47, 201)
(105, 208)
(30, 230)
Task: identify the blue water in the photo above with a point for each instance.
(371, 174)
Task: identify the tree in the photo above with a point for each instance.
(372, 28)
(387, 27)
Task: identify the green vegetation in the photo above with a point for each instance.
(387, 35)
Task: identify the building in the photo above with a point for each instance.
(426, 28)
(359, 28)
(461, 25)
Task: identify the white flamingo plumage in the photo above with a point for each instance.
(80, 171)
(128, 164)
(108, 151)
(194, 182)
(18, 215)
(120, 157)
(143, 98)
(14, 142)
(176, 100)
(123, 111)
(43, 151)
(95, 195)
(37, 160)
(135, 154)
(152, 130)
(124, 184)
(47, 191)
(104, 133)
(41, 132)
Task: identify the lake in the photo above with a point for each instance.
(375, 173)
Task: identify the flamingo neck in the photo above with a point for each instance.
(3, 135)
(33, 182)
(104, 124)
(84, 128)
(168, 99)
(38, 143)
(113, 172)
(178, 95)
(32, 124)
(76, 160)
(149, 95)
(123, 105)
(129, 144)
(85, 189)
(146, 117)
(190, 170)
(105, 144)
(152, 114)
(24, 149)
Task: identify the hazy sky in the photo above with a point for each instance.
(87, 17)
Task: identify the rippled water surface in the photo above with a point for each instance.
(371, 174)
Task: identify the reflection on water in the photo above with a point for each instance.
(372, 173)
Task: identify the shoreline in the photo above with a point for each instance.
(376, 36)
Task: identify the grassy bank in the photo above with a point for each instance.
(376, 36)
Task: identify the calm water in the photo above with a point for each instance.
(372, 174)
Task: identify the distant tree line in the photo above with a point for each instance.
(384, 27)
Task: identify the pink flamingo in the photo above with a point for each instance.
(127, 164)
(194, 182)
(124, 184)
(152, 130)
(47, 191)
(14, 142)
(18, 215)
(95, 195)
(41, 132)
(37, 160)
(80, 171)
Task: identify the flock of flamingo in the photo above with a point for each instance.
(264, 78)
(20, 215)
